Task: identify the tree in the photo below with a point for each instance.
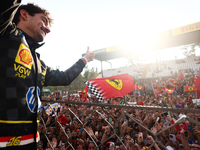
(89, 73)
(78, 84)
(189, 50)
(134, 59)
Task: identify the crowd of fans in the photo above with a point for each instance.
(63, 127)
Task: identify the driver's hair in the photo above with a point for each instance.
(32, 9)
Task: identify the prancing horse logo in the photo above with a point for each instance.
(116, 83)
(190, 89)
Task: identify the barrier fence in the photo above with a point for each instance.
(110, 125)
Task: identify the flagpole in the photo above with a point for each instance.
(102, 69)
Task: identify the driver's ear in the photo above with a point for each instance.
(23, 15)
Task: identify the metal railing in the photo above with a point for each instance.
(125, 113)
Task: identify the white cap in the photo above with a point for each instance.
(169, 148)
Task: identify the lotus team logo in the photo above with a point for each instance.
(31, 100)
(117, 84)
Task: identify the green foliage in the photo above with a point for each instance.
(89, 74)
(133, 59)
(78, 84)
(189, 50)
(52, 88)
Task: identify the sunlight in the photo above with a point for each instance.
(132, 29)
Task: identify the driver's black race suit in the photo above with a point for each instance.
(22, 76)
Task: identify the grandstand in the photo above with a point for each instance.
(165, 69)
(180, 36)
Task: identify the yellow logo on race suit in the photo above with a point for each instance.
(43, 72)
(190, 88)
(24, 57)
(14, 141)
(43, 77)
(118, 84)
(174, 82)
(24, 62)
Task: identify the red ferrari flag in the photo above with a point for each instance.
(172, 82)
(169, 90)
(197, 82)
(181, 76)
(84, 94)
(189, 88)
(113, 86)
(138, 87)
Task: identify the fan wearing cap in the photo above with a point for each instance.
(110, 146)
(118, 100)
(195, 146)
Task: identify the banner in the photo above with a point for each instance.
(138, 87)
(181, 76)
(189, 88)
(84, 94)
(52, 108)
(114, 86)
(158, 88)
(169, 90)
(196, 101)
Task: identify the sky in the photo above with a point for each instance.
(103, 23)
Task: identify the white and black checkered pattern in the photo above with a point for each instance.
(94, 91)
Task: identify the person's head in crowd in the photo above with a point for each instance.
(68, 130)
(91, 145)
(79, 135)
(52, 130)
(50, 134)
(79, 125)
(40, 127)
(195, 145)
(100, 134)
(80, 144)
(110, 146)
(40, 145)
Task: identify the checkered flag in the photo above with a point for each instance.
(94, 91)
